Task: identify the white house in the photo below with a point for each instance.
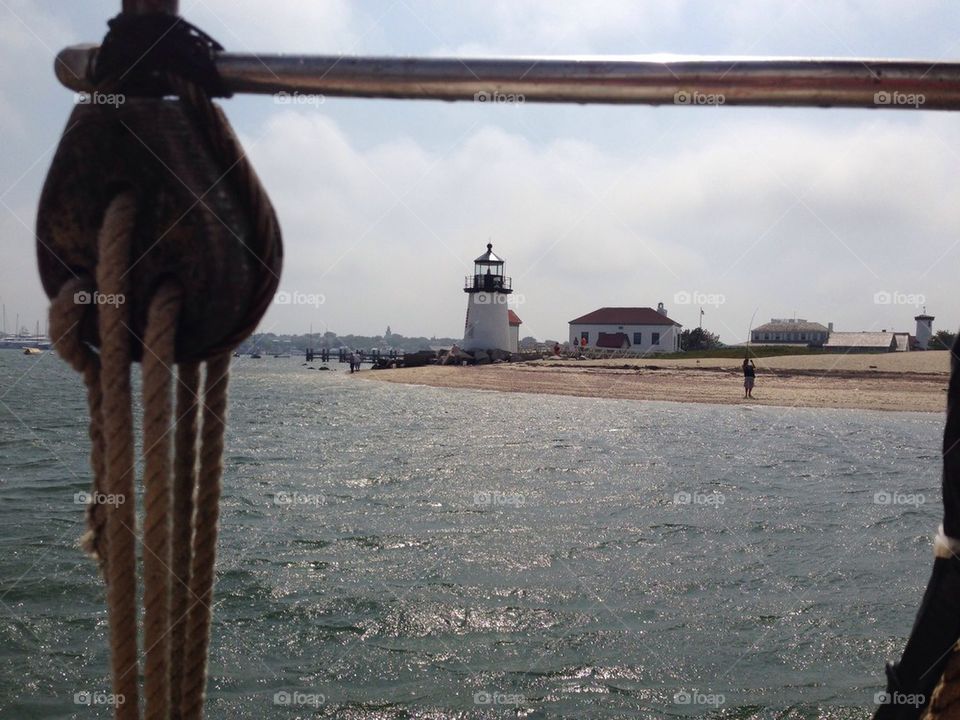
(641, 329)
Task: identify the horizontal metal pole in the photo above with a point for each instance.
(143, 7)
(651, 80)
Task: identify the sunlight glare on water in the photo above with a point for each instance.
(393, 551)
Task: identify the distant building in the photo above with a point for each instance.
(790, 331)
(515, 323)
(924, 329)
(641, 329)
(859, 342)
(883, 341)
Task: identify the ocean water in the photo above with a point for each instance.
(391, 551)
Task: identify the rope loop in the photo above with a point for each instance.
(156, 243)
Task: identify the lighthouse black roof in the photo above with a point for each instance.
(489, 258)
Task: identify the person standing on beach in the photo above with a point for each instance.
(749, 376)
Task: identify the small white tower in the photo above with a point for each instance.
(924, 328)
(488, 323)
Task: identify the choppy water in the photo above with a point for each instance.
(460, 554)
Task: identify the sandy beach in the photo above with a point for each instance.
(914, 381)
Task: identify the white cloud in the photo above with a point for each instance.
(774, 214)
(252, 26)
(385, 204)
(30, 37)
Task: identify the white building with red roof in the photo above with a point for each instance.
(515, 323)
(640, 329)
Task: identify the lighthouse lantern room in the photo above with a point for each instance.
(488, 290)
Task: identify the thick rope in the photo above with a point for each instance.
(180, 517)
(158, 360)
(205, 521)
(67, 314)
(114, 259)
(184, 484)
(180, 522)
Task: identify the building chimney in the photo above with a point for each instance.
(830, 327)
(661, 309)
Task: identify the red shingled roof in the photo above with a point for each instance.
(624, 316)
(514, 318)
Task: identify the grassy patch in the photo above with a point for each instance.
(761, 351)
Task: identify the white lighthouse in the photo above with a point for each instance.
(924, 329)
(488, 323)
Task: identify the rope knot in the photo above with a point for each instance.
(139, 52)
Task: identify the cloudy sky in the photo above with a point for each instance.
(384, 204)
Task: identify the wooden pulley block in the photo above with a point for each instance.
(194, 223)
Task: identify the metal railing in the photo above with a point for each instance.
(683, 80)
(488, 283)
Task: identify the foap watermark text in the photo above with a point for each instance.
(99, 98)
(695, 697)
(287, 499)
(682, 497)
(485, 697)
(97, 498)
(297, 698)
(297, 98)
(884, 297)
(897, 98)
(898, 498)
(696, 297)
(285, 297)
(499, 98)
(695, 97)
(82, 297)
(497, 498)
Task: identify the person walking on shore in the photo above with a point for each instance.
(749, 376)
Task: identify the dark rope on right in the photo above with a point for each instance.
(930, 655)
